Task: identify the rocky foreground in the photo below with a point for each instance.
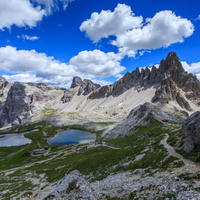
(129, 185)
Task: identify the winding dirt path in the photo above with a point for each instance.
(189, 167)
(172, 152)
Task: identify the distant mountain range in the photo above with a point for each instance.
(168, 86)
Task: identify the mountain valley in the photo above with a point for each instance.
(147, 127)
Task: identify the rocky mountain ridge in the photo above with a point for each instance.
(167, 85)
(168, 80)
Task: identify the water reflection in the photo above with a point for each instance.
(14, 139)
(72, 137)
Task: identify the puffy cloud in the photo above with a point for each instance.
(98, 63)
(26, 12)
(193, 68)
(133, 34)
(38, 67)
(20, 13)
(110, 23)
(27, 37)
(198, 18)
(164, 29)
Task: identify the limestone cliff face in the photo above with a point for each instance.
(87, 86)
(76, 81)
(84, 87)
(17, 108)
(4, 88)
(170, 79)
(191, 128)
(168, 91)
(3, 84)
(68, 95)
(176, 82)
(20, 102)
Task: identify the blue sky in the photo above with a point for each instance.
(51, 41)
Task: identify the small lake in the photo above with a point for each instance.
(72, 137)
(14, 139)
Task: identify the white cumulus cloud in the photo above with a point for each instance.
(164, 29)
(98, 63)
(133, 33)
(20, 13)
(193, 68)
(27, 12)
(28, 66)
(111, 23)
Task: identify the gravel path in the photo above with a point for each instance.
(172, 152)
(189, 167)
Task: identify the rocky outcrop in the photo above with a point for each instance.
(3, 84)
(170, 80)
(17, 109)
(76, 81)
(84, 87)
(159, 186)
(135, 79)
(141, 116)
(103, 92)
(174, 80)
(68, 95)
(191, 128)
(73, 186)
(87, 86)
(169, 92)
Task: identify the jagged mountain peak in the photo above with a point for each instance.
(171, 65)
(76, 81)
(85, 87)
(169, 80)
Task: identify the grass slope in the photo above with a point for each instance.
(95, 163)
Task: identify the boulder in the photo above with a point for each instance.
(73, 186)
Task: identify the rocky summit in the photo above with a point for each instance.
(169, 80)
(146, 142)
